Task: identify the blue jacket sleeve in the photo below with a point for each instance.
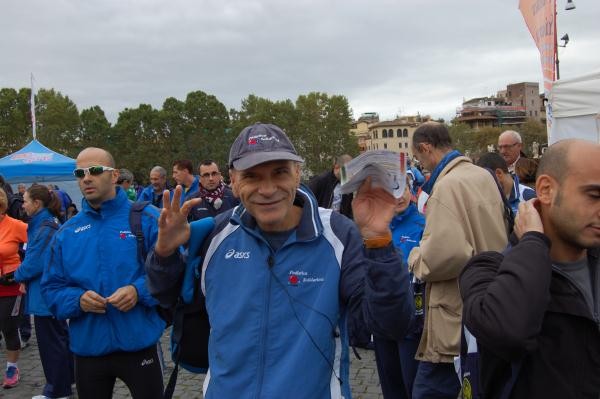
(61, 297)
(37, 254)
(150, 226)
(375, 285)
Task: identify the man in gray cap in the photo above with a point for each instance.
(296, 272)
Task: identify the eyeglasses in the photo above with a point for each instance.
(507, 146)
(211, 174)
(92, 170)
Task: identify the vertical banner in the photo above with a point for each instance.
(33, 108)
(540, 17)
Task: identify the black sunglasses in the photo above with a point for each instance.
(92, 170)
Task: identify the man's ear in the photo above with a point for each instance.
(298, 172)
(545, 189)
(115, 175)
(233, 177)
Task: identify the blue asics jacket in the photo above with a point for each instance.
(96, 250)
(37, 257)
(278, 318)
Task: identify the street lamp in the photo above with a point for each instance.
(570, 6)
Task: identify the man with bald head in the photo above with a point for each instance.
(96, 279)
(535, 308)
(510, 146)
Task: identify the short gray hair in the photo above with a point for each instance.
(515, 135)
(161, 171)
(125, 175)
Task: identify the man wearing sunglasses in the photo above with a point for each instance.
(96, 279)
(216, 196)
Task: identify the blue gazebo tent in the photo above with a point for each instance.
(36, 163)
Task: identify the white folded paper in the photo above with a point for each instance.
(387, 169)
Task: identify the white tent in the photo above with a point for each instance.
(575, 108)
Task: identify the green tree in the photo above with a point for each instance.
(15, 120)
(322, 130)
(57, 121)
(256, 109)
(95, 129)
(531, 131)
(207, 127)
(473, 142)
(136, 142)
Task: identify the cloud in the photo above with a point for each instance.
(385, 56)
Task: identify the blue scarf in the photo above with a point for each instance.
(428, 186)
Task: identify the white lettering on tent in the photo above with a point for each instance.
(29, 157)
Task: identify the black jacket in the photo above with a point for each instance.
(523, 310)
(206, 209)
(322, 187)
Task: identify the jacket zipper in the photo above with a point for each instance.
(265, 324)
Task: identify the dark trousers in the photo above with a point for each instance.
(436, 381)
(25, 327)
(55, 355)
(396, 366)
(141, 371)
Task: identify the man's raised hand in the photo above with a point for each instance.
(173, 227)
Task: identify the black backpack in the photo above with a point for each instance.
(191, 327)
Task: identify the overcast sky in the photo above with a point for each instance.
(391, 57)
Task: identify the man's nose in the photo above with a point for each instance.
(266, 187)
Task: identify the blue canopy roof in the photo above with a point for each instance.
(36, 163)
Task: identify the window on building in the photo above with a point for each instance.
(399, 133)
(530, 113)
(536, 113)
(531, 102)
(405, 145)
(384, 133)
(385, 146)
(405, 133)
(399, 145)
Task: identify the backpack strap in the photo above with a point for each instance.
(199, 230)
(135, 224)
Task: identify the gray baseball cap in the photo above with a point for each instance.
(261, 143)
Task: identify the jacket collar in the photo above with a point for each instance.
(38, 218)
(107, 208)
(410, 212)
(310, 226)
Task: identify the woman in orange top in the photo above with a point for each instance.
(13, 233)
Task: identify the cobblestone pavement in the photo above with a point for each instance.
(363, 376)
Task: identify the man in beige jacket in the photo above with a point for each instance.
(464, 216)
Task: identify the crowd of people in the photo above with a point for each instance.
(490, 260)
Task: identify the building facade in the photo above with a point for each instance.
(508, 108)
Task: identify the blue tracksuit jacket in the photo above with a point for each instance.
(147, 194)
(278, 318)
(96, 250)
(37, 257)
